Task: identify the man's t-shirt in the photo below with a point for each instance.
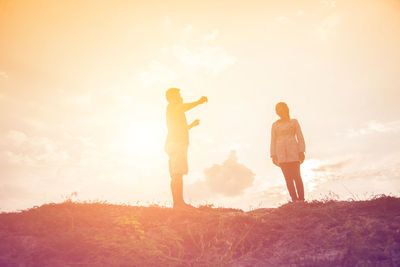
(178, 131)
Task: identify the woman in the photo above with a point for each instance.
(287, 150)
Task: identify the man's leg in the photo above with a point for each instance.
(180, 189)
(177, 189)
(173, 191)
(286, 170)
(178, 167)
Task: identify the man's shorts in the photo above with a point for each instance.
(178, 163)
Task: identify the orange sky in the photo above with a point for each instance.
(82, 103)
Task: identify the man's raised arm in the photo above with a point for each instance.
(189, 106)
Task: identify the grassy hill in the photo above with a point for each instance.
(329, 233)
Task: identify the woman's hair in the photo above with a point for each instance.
(282, 110)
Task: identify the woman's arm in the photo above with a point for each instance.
(273, 146)
(301, 143)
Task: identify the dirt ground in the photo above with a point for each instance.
(329, 233)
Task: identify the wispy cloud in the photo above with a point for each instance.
(212, 36)
(181, 59)
(373, 127)
(83, 100)
(329, 3)
(167, 22)
(275, 194)
(316, 171)
(332, 166)
(20, 149)
(330, 174)
(157, 72)
(209, 57)
(282, 19)
(3, 75)
(300, 12)
(327, 26)
(212, 58)
(16, 137)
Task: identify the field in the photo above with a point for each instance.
(319, 233)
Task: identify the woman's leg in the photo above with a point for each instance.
(288, 174)
(298, 180)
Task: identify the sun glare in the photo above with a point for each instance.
(143, 139)
(308, 173)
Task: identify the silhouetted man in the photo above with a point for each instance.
(178, 141)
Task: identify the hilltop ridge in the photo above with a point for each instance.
(328, 233)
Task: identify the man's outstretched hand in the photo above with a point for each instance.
(189, 106)
(203, 99)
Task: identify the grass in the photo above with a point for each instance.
(319, 233)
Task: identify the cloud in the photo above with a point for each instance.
(273, 195)
(191, 53)
(157, 72)
(320, 177)
(319, 174)
(20, 149)
(375, 127)
(3, 75)
(211, 58)
(189, 29)
(331, 167)
(199, 192)
(167, 22)
(282, 19)
(16, 137)
(212, 36)
(382, 172)
(327, 26)
(316, 171)
(230, 178)
(83, 100)
(329, 3)
(369, 181)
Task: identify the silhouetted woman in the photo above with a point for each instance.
(287, 150)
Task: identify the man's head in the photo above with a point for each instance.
(173, 96)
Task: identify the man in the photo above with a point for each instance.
(178, 141)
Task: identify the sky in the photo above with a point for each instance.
(82, 99)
